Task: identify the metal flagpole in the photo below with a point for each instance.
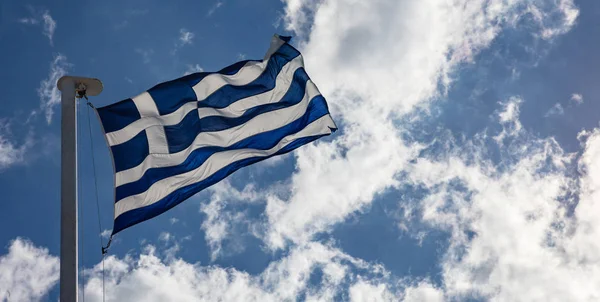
(70, 87)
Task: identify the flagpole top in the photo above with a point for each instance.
(92, 86)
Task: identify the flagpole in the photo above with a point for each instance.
(71, 88)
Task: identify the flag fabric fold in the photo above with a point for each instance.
(182, 136)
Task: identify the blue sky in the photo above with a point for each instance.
(465, 167)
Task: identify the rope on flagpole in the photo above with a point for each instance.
(104, 249)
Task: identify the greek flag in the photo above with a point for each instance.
(182, 136)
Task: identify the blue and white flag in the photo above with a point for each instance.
(182, 136)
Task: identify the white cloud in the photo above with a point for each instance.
(10, 152)
(512, 237)
(219, 224)
(577, 98)
(363, 291)
(48, 92)
(49, 26)
(39, 16)
(165, 237)
(193, 69)
(173, 220)
(185, 36)
(106, 234)
(150, 278)
(27, 272)
(557, 109)
(31, 273)
(31, 21)
(374, 63)
(214, 8)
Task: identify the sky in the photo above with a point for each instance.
(466, 166)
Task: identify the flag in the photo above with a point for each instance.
(182, 136)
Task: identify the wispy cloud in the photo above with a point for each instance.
(214, 8)
(10, 152)
(41, 16)
(193, 69)
(48, 92)
(577, 98)
(105, 234)
(185, 36)
(557, 109)
(165, 237)
(30, 21)
(49, 26)
(145, 54)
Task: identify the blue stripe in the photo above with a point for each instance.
(169, 96)
(136, 216)
(263, 141)
(182, 135)
(131, 153)
(229, 94)
(118, 115)
(293, 96)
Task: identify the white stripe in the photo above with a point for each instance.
(214, 163)
(282, 84)
(131, 130)
(246, 75)
(211, 83)
(276, 42)
(262, 123)
(157, 140)
(145, 105)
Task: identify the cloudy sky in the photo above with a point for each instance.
(466, 166)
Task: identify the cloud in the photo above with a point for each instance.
(577, 98)
(523, 227)
(10, 152)
(27, 272)
(148, 277)
(214, 8)
(48, 92)
(145, 53)
(185, 36)
(375, 65)
(106, 234)
(165, 237)
(219, 224)
(566, 14)
(173, 220)
(30, 21)
(49, 26)
(193, 69)
(557, 109)
(41, 16)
